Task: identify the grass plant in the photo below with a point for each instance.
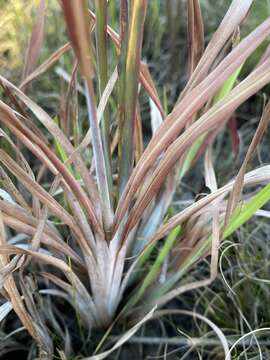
(86, 216)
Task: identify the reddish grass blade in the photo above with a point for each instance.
(123, 47)
(138, 135)
(41, 69)
(195, 34)
(35, 43)
(148, 83)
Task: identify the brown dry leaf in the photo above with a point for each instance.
(12, 291)
(65, 269)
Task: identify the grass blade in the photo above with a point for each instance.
(244, 212)
(102, 62)
(79, 30)
(195, 34)
(41, 69)
(128, 334)
(223, 91)
(155, 268)
(35, 43)
(126, 131)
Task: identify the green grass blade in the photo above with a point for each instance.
(126, 132)
(228, 85)
(245, 212)
(63, 155)
(193, 151)
(102, 62)
(155, 268)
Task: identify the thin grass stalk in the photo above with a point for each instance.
(102, 62)
(70, 112)
(126, 132)
(195, 34)
(35, 43)
(122, 79)
(46, 65)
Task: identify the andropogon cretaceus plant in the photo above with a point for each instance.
(94, 227)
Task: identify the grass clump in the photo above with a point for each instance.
(86, 218)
